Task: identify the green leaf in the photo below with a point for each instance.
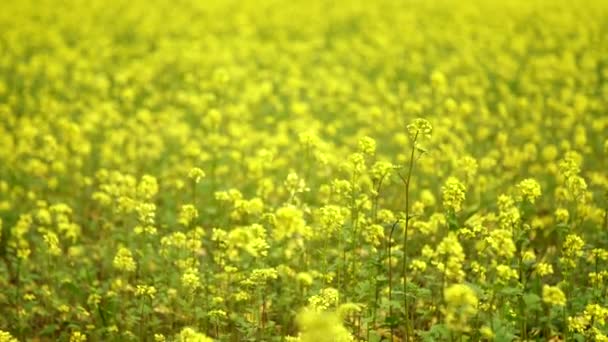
(374, 336)
(391, 321)
(438, 332)
(49, 329)
(452, 221)
(532, 301)
(504, 331)
(511, 291)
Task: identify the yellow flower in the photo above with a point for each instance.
(191, 279)
(196, 174)
(124, 261)
(52, 243)
(367, 146)
(305, 279)
(77, 336)
(561, 215)
(190, 335)
(322, 327)
(461, 305)
(505, 273)
(145, 290)
(7, 337)
(187, 214)
(326, 299)
(553, 295)
(147, 187)
(529, 190)
(449, 258)
(419, 128)
(572, 249)
(487, 332)
(453, 192)
(543, 269)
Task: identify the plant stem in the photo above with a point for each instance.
(378, 260)
(141, 321)
(390, 277)
(407, 182)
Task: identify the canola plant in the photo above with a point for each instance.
(314, 171)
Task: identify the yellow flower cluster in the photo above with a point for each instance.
(449, 258)
(7, 337)
(553, 295)
(461, 305)
(419, 128)
(322, 327)
(327, 298)
(123, 260)
(453, 194)
(77, 336)
(191, 335)
(529, 190)
(591, 323)
(262, 170)
(145, 291)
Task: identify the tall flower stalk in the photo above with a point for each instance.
(417, 129)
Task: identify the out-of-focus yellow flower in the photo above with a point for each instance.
(461, 305)
(77, 336)
(322, 327)
(190, 335)
(123, 260)
(553, 295)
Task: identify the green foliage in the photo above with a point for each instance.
(319, 170)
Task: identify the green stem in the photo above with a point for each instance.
(407, 182)
(141, 321)
(390, 278)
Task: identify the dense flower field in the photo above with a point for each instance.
(311, 171)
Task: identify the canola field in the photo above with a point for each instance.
(314, 171)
